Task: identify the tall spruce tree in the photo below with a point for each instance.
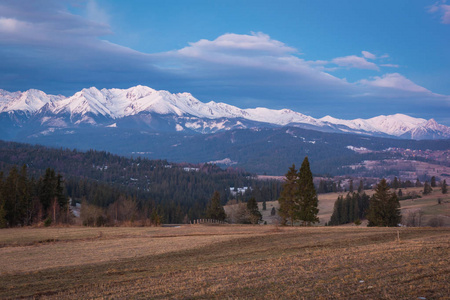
(427, 188)
(384, 207)
(444, 187)
(336, 217)
(361, 186)
(215, 210)
(11, 195)
(433, 181)
(59, 192)
(307, 196)
(47, 189)
(395, 183)
(418, 184)
(252, 207)
(3, 222)
(24, 197)
(288, 199)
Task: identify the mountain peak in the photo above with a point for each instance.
(431, 123)
(94, 106)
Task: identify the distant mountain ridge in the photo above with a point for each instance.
(35, 112)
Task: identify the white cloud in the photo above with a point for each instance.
(95, 13)
(254, 55)
(353, 61)
(238, 44)
(48, 23)
(433, 8)
(390, 65)
(11, 25)
(368, 55)
(441, 9)
(394, 81)
(446, 14)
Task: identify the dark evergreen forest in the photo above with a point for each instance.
(176, 192)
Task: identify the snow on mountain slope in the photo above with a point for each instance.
(29, 101)
(117, 103)
(395, 125)
(182, 110)
(86, 101)
(428, 130)
(280, 117)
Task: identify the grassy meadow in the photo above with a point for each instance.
(225, 261)
(233, 261)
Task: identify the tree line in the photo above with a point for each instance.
(25, 201)
(351, 208)
(173, 191)
(382, 209)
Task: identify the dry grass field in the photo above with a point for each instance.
(226, 261)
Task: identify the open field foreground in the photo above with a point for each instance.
(204, 262)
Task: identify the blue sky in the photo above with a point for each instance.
(347, 59)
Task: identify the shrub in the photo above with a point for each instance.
(436, 222)
(48, 222)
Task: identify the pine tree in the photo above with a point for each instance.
(288, 199)
(418, 184)
(350, 187)
(427, 188)
(384, 209)
(395, 183)
(3, 222)
(252, 207)
(155, 218)
(215, 210)
(361, 187)
(10, 194)
(24, 197)
(59, 192)
(47, 189)
(444, 187)
(273, 212)
(322, 187)
(336, 216)
(363, 205)
(308, 201)
(433, 181)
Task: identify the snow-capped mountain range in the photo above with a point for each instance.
(141, 106)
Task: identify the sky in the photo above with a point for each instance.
(348, 59)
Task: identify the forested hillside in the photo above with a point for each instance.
(258, 150)
(175, 191)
